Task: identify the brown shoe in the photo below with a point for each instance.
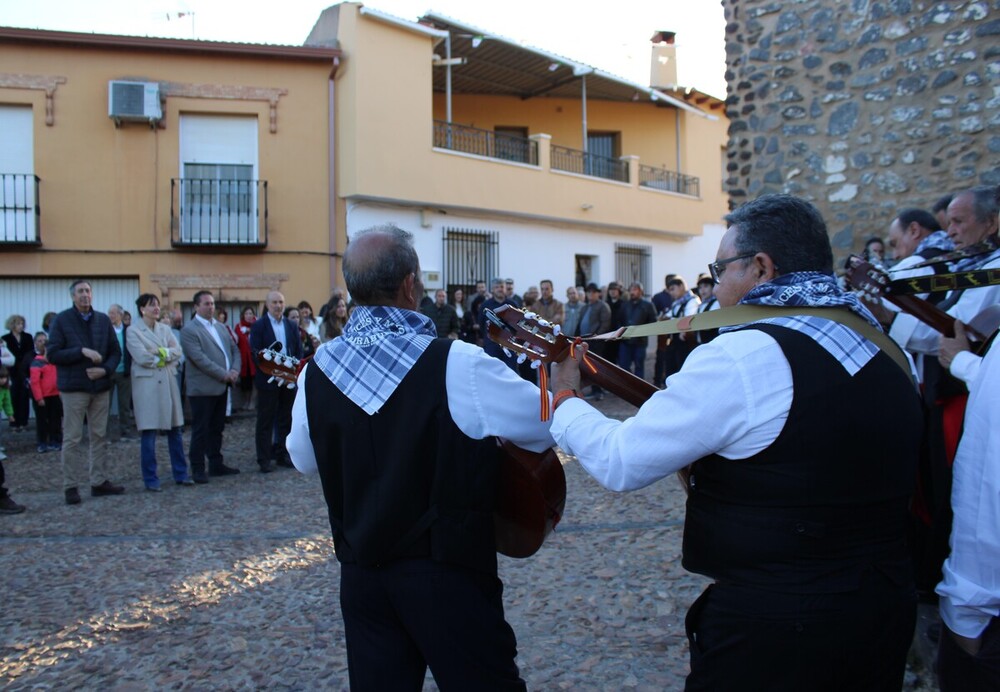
(106, 488)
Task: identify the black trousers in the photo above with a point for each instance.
(48, 421)
(274, 422)
(208, 418)
(744, 638)
(960, 672)
(408, 615)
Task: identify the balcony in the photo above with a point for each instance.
(19, 209)
(585, 163)
(669, 181)
(209, 212)
(471, 140)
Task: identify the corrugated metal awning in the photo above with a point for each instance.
(500, 66)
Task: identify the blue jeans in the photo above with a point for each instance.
(629, 354)
(147, 456)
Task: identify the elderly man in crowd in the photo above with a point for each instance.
(799, 487)
(121, 383)
(83, 347)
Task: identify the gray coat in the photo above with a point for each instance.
(156, 396)
(205, 369)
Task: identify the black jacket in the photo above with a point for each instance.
(69, 334)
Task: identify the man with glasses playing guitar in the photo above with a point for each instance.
(797, 495)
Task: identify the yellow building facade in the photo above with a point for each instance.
(486, 166)
(162, 166)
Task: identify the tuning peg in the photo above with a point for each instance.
(556, 329)
(531, 315)
(535, 364)
(291, 385)
(521, 357)
(270, 379)
(507, 352)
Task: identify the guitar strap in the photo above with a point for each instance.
(942, 283)
(743, 314)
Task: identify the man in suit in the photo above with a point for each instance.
(121, 384)
(274, 402)
(213, 365)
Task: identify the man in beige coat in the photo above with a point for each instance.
(156, 396)
(212, 366)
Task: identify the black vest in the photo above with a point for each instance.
(828, 498)
(404, 482)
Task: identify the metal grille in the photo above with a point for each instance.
(495, 145)
(210, 211)
(576, 161)
(470, 256)
(672, 181)
(19, 210)
(634, 263)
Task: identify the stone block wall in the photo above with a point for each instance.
(862, 106)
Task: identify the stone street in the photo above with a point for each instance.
(234, 585)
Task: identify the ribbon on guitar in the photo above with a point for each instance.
(943, 283)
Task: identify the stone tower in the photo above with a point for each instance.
(862, 106)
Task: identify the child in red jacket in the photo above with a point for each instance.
(45, 392)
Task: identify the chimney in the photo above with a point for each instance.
(663, 67)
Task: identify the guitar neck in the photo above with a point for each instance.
(618, 381)
(929, 314)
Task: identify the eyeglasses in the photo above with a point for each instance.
(718, 267)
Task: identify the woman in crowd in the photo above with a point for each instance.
(336, 318)
(23, 347)
(247, 369)
(45, 392)
(294, 315)
(465, 319)
(156, 398)
(307, 321)
(47, 320)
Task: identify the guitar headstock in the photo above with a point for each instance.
(284, 370)
(524, 332)
(865, 277)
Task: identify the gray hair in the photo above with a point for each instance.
(984, 202)
(374, 278)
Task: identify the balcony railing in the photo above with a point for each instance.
(213, 212)
(20, 213)
(471, 140)
(671, 181)
(585, 163)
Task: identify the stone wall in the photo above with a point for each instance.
(862, 106)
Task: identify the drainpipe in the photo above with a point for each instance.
(677, 137)
(583, 92)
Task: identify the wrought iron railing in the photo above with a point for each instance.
(671, 181)
(20, 213)
(205, 211)
(471, 140)
(585, 163)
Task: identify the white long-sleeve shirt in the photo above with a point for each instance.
(485, 397)
(913, 335)
(970, 590)
(732, 397)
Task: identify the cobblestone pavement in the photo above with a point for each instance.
(233, 585)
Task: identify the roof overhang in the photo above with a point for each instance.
(499, 66)
(169, 45)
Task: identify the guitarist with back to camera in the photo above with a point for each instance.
(402, 429)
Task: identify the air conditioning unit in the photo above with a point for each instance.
(134, 101)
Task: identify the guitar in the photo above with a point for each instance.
(523, 332)
(282, 369)
(874, 282)
(532, 491)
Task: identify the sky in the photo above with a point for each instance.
(616, 41)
